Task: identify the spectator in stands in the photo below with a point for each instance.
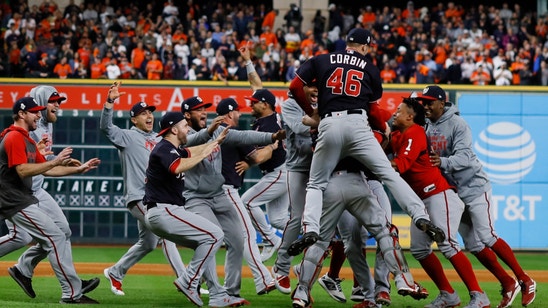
(294, 18)
(62, 69)
(113, 70)
(502, 75)
(480, 76)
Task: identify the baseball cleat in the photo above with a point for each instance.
(268, 251)
(228, 301)
(115, 284)
(445, 300)
(509, 294)
(24, 282)
(192, 295)
(366, 304)
(82, 300)
(383, 298)
(528, 291)
(90, 285)
(433, 231)
(298, 246)
(332, 287)
(478, 300)
(357, 294)
(269, 288)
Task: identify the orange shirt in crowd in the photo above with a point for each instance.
(388, 75)
(368, 18)
(98, 70)
(85, 55)
(154, 69)
(62, 70)
(269, 19)
(137, 57)
(440, 54)
(475, 77)
(270, 38)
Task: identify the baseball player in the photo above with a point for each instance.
(134, 146)
(348, 84)
(451, 141)
(411, 159)
(298, 145)
(348, 189)
(48, 97)
(167, 215)
(204, 190)
(237, 159)
(20, 161)
(271, 190)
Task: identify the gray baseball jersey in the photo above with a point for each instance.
(17, 237)
(134, 147)
(462, 168)
(205, 196)
(298, 145)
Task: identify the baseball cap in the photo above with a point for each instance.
(360, 36)
(227, 105)
(27, 104)
(432, 93)
(139, 107)
(168, 120)
(55, 97)
(263, 95)
(193, 103)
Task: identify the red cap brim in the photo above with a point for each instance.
(206, 105)
(37, 108)
(251, 98)
(57, 98)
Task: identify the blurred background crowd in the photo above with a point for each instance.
(449, 43)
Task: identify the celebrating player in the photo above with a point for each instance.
(451, 140)
(349, 85)
(409, 146)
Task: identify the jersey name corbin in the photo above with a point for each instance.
(347, 59)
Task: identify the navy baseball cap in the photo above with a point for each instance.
(193, 103)
(432, 93)
(360, 36)
(168, 120)
(27, 104)
(227, 105)
(263, 95)
(140, 107)
(55, 97)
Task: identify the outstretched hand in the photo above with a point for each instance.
(90, 164)
(279, 135)
(114, 91)
(215, 124)
(63, 158)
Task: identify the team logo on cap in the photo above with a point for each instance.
(143, 104)
(425, 90)
(230, 107)
(23, 107)
(186, 106)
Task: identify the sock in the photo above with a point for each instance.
(489, 259)
(464, 268)
(505, 253)
(337, 259)
(432, 266)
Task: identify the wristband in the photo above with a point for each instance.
(249, 67)
(110, 101)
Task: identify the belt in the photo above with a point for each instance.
(342, 112)
(151, 205)
(267, 171)
(342, 172)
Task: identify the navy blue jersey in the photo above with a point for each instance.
(161, 184)
(346, 80)
(231, 155)
(270, 124)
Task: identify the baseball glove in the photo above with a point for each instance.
(435, 233)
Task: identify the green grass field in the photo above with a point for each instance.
(158, 291)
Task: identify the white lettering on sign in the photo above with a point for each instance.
(175, 100)
(60, 184)
(75, 187)
(104, 187)
(89, 186)
(515, 207)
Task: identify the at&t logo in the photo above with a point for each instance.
(506, 151)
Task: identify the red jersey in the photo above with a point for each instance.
(411, 155)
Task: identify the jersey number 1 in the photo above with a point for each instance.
(351, 84)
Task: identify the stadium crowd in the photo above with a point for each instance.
(447, 43)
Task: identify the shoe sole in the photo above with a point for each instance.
(94, 284)
(336, 298)
(112, 288)
(297, 247)
(188, 296)
(14, 276)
